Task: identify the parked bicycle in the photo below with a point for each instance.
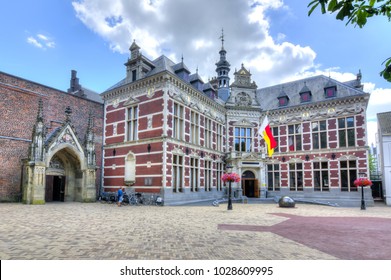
(108, 197)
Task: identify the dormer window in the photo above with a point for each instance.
(283, 101)
(330, 92)
(305, 96)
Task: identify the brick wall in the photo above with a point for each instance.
(19, 106)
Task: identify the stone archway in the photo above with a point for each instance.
(64, 176)
(59, 167)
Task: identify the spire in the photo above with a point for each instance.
(222, 69)
(37, 146)
(40, 111)
(68, 112)
(222, 38)
(89, 147)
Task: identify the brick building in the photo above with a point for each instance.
(25, 106)
(168, 131)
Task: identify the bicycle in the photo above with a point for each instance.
(134, 199)
(107, 197)
(155, 200)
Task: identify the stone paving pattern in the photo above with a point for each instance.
(96, 231)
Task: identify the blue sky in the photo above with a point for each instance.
(43, 40)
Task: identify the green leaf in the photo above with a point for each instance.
(332, 6)
(313, 7)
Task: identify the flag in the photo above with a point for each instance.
(267, 135)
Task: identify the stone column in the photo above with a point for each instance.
(34, 186)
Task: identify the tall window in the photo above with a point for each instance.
(276, 137)
(208, 175)
(195, 128)
(219, 173)
(208, 133)
(321, 176)
(296, 176)
(178, 121)
(194, 174)
(132, 123)
(219, 137)
(348, 173)
(243, 138)
(294, 137)
(319, 135)
(346, 132)
(177, 173)
(273, 177)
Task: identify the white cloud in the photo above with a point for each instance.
(34, 42)
(41, 41)
(193, 28)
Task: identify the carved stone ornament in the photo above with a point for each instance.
(131, 101)
(116, 102)
(243, 99)
(150, 92)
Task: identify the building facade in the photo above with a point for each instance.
(50, 141)
(384, 156)
(168, 131)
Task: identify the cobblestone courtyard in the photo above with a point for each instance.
(98, 231)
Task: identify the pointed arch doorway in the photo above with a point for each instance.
(250, 184)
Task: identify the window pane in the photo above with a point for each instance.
(237, 131)
(341, 123)
(314, 126)
(342, 138)
(351, 138)
(323, 140)
(323, 125)
(315, 141)
(298, 142)
(350, 122)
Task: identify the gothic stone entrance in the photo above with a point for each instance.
(59, 167)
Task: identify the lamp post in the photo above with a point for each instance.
(229, 171)
(362, 175)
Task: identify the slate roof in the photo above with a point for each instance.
(268, 96)
(384, 121)
(163, 63)
(92, 95)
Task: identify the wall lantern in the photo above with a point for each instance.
(149, 148)
(114, 152)
(202, 154)
(187, 151)
(283, 159)
(333, 156)
(307, 157)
